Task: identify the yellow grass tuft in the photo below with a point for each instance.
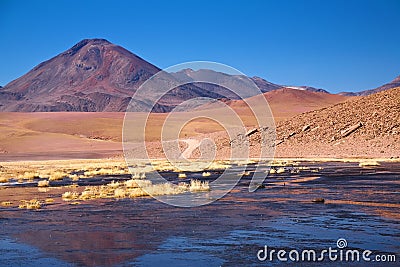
(131, 183)
(74, 177)
(120, 193)
(68, 196)
(271, 171)
(28, 175)
(136, 175)
(44, 175)
(280, 170)
(143, 183)
(219, 165)
(58, 175)
(367, 163)
(43, 189)
(136, 192)
(43, 183)
(196, 185)
(32, 204)
(135, 188)
(114, 184)
(6, 203)
(164, 189)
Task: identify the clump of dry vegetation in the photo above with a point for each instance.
(67, 196)
(134, 188)
(32, 204)
(28, 175)
(280, 170)
(367, 163)
(196, 185)
(58, 175)
(43, 183)
(6, 203)
(55, 170)
(219, 165)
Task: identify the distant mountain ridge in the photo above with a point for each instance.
(393, 84)
(96, 75)
(265, 86)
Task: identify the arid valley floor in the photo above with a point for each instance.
(68, 198)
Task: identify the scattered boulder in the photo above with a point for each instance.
(278, 142)
(350, 129)
(306, 128)
(251, 132)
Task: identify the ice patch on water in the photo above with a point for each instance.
(175, 252)
(13, 253)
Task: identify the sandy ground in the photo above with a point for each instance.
(73, 135)
(64, 135)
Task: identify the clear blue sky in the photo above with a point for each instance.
(336, 45)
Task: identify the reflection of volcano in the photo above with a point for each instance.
(111, 232)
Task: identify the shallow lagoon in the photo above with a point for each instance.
(361, 205)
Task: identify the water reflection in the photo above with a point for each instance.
(361, 205)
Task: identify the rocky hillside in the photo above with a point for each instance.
(366, 126)
(363, 126)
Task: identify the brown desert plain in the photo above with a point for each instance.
(63, 135)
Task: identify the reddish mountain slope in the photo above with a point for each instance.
(94, 75)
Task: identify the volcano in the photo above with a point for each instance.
(94, 75)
